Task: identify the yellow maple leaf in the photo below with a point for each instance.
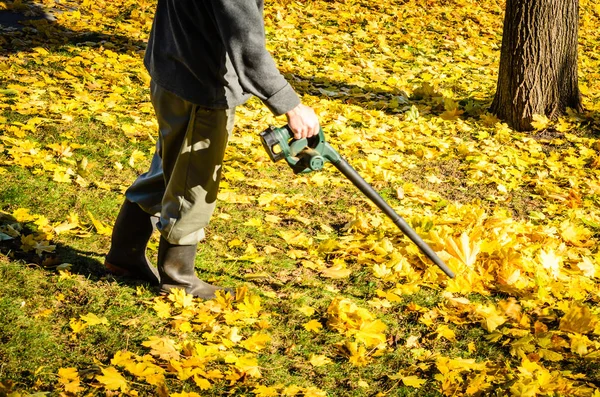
(185, 327)
(249, 365)
(446, 364)
(443, 331)
(232, 197)
(256, 342)
(319, 179)
(69, 378)
(136, 155)
(272, 218)
(268, 198)
(102, 185)
(43, 313)
(250, 249)
(291, 390)
(383, 272)
(413, 381)
(576, 235)
(471, 347)
(336, 272)
(345, 316)
(91, 319)
(451, 114)
(202, 383)
(162, 347)
(99, 226)
(254, 222)
(181, 298)
(563, 125)
(65, 275)
(357, 354)
(28, 242)
(579, 319)
(70, 224)
(213, 374)
(390, 296)
(41, 222)
(319, 360)
(162, 308)
(491, 318)
(312, 391)
(463, 249)
(112, 379)
(587, 267)
(363, 384)
(550, 355)
(371, 333)
(540, 122)
(313, 326)
(122, 358)
(296, 238)
(234, 335)
(76, 325)
(307, 310)
(62, 149)
(236, 242)
(580, 344)
(489, 119)
(251, 305)
(412, 114)
(266, 391)
(551, 261)
(61, 176)
(41, 50)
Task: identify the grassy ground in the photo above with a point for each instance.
(515, 215)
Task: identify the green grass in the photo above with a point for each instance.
(36, 308)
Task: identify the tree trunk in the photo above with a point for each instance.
(538, 61)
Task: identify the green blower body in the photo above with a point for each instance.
(310, 154)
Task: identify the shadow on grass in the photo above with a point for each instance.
(392, 101)
(58, 256)
(65, 257)
(27, 25)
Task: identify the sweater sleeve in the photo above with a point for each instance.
(241, 27)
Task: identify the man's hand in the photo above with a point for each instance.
(303, 121)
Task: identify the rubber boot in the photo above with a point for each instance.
(127, 254)
(176, 270)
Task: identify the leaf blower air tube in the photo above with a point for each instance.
(307, 155)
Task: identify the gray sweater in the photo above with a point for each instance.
(212, 53)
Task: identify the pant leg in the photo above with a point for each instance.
(173, 115)
(183, 180)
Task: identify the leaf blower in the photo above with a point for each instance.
(310, 154)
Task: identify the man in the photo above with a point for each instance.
(205, 57)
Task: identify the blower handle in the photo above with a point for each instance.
(302, 155)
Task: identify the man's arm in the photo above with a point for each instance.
(241, 26)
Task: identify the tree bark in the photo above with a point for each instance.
(538, 61)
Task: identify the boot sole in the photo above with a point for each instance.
(231, 291)
(116, 270)
(121, 272)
